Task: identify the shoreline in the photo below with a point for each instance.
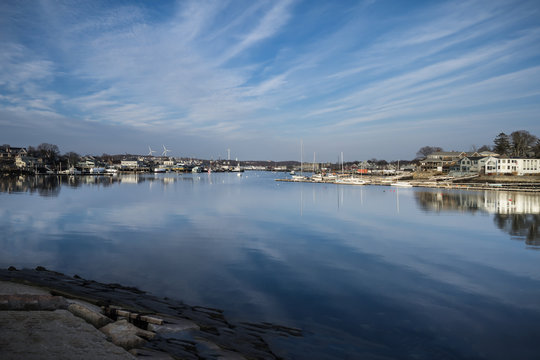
(504, 184)
(162, 326)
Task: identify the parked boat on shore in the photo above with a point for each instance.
(401, 184)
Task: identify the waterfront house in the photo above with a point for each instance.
(129, 164)
(477, 164)
(507, 166)
(518, 166)
(490, 165)
(443, 161)
(528, 166)
(26, 162)
(87, 162)
(468, 164)
(9, 152)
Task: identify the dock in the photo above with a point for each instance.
(447, 183)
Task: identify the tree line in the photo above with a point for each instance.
(520, 143)
(50, 154)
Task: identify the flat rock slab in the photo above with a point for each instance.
(32, 302)
(11, 288)
(53, 335)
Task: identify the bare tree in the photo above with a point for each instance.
(522, 141)
(48, 151)
(72, 158)
(484, 148)
(427, 150)
(536, 148)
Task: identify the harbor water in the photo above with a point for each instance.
(367, 272)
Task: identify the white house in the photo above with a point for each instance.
(507, 166)
(129, 164)
(518, 166)
(86, 162)
(528, 166)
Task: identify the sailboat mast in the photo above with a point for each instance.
(301, 157)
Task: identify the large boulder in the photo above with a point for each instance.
(125, 334)
(90, 316)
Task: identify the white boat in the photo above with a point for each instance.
(196, 169)
(237, 168)
(111, 170)
(330, 177)
(160, 170)
(299, 178)
(317, 177)
(71, 171)
(97, 170)
(401, 184)
(351, 181)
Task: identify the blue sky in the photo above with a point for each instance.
(368, 78)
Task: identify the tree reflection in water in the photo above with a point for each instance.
(521, 226)
(50, 185)
(515, 213)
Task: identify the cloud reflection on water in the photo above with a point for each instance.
(340, 261)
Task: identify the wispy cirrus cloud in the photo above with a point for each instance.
(268, 71)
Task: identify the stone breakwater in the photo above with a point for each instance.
(133, 320)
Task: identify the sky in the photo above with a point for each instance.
(371, 79)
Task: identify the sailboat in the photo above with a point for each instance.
(316, 177)
(348, 180)
(300, 177)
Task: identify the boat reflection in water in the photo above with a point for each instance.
(517, 213)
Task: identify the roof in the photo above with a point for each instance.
(448, 153)
(475, 157)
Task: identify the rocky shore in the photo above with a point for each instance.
(46, 314)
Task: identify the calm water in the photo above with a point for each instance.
(367, 272)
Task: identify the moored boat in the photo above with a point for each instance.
(70, 171)
(97, 170)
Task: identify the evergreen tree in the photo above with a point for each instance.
(502, 144)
